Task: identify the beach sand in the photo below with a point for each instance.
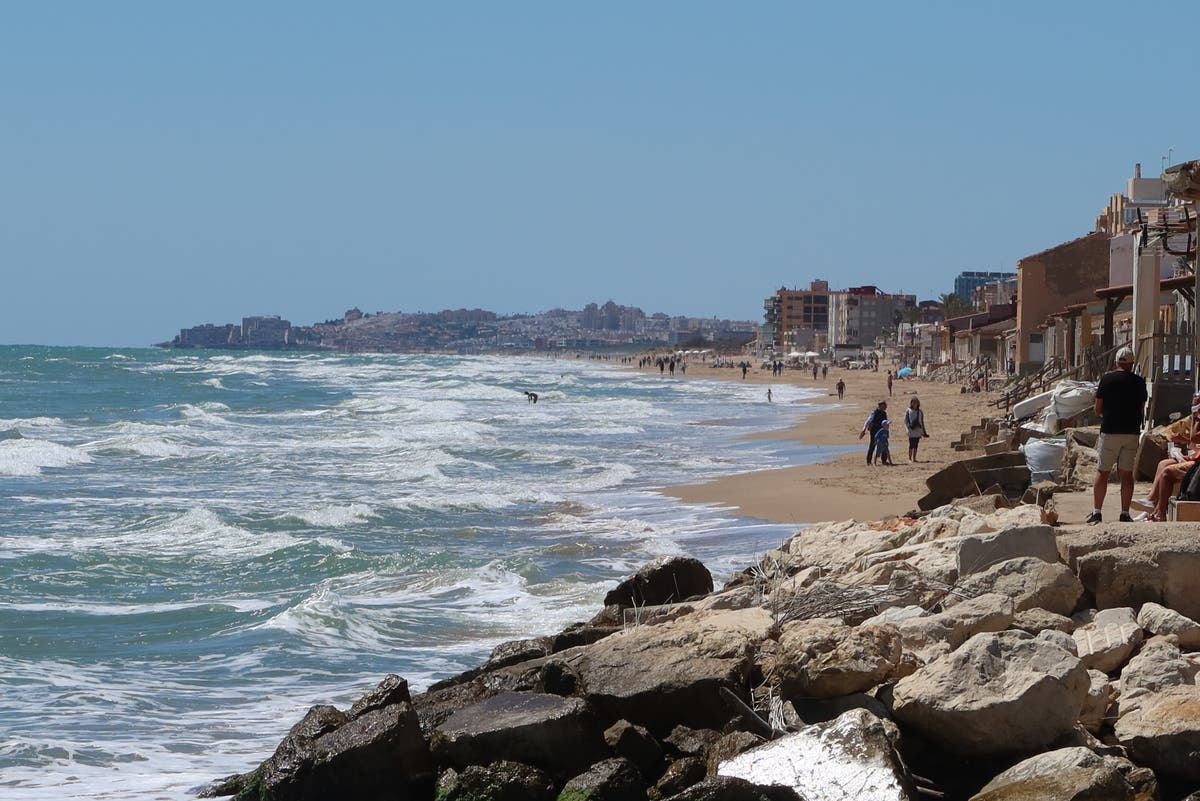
(845, 487)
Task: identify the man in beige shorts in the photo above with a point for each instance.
(1120, 399)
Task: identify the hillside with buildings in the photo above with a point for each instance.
(610, 325)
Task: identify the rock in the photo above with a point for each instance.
(499, 781)
(664, 581)
(815, 660)
(893, 615)
(443, 699)
(1002, 693)
(379, 752)
(1163, 732)
(636, 745)
(1158, 619)
(662, 676)
(392, 690)
(517, 651)
(680, 774)
(1129, 568)
(1037, 620)
(1109, 640)
(550, 732)
(956, 625)
(1071, 774)
(727, 788)
(985, 503)
(835, 547)
(684, 741)
(1100, 697)
(853, 758)
(578, 634)
(1160, 665)
(977, 553)
(1030, 582)
(809, 711)
(729, 746)
(610, 780)
(1061, 639)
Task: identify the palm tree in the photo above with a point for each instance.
(953, 305)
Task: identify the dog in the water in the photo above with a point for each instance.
(531, 397)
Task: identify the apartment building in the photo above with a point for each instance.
(797, 319)
(858, 315)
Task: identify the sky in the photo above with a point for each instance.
(164, 165)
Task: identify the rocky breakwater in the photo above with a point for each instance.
(975, 653)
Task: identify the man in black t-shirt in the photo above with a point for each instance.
(1120, 398)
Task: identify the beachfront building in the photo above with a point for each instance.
(797, 319)
(967, 282)
(859, 315)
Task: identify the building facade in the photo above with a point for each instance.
(797, 319)
(966, 282)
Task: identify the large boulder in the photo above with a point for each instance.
(1158, 619)
(1030, 583)
(1071, 774)
(932, 635)
(977, 553)
(1100, 699)
(728, 788)
(609, 780)
(818, 660)
(635, 744)
(1109, 640)
(853, 758)
(1134, 565)
(1162, 731)
(1158, 666)
(379, 753)
(660, 676)
(499, 781)
(1001, 693)
(664, 581)
(556, 734)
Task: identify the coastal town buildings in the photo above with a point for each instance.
(859, 315)
(965, 283)
(610, 325)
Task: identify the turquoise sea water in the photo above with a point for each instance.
(197, 546)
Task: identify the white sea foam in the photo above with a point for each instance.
(29, 457)
(198, 533)
(337, 516)
(213, 382)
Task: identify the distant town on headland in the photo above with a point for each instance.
(471, 331)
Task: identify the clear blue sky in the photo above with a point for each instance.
(169, 164)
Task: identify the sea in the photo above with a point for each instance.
(197, 546)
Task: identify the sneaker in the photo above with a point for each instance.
(1125, 518)
(1093, 519)
(1145, 504)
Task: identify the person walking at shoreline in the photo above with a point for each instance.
(882, 451)
(1120, 399)
(914, 423)
(841, 388)
(871, 427)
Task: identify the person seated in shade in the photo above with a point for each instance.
(1184, 433)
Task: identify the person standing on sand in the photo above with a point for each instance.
(871, 426)
(889, 383)
(914, 423)
(841, 388)
(1120, 398)
(881, 443)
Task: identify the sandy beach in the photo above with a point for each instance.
(845, 487)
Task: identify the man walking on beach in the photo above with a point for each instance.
(1120, 399)
(841, 388)
(872, 426)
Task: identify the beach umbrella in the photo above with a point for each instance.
(812, 354)
(795, 355)
(903, 372)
